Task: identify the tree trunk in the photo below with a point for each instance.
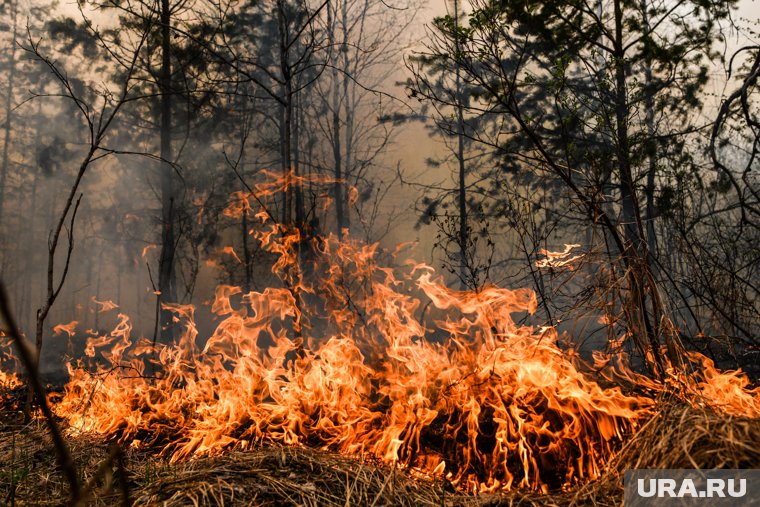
(461, 191)
(286, 115)
(349, 105)
(53, 290)
(11, 72)
(298, 189)
(286, 127)
(244, 130)
(338, 185)
(651, 148)
(639, 276)
(166, 276)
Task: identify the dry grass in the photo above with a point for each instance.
(678, 436)
(681, 436)
(29, 473)
(295, 476)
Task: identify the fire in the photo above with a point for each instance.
(8, 380)
(558, 259)
(69, 328)
(394, 365)
(228, 250)
(349, 354)
(104, 306)
(727, 391)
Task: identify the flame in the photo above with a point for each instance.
(8, 380)
(274, 183)
(380, 360)
(458, 388)
(558, 259)
(147, 249)
(104, 306)
(231, 252)
(727, 391)
(69, 328)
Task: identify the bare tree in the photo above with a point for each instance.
(99, 118)
(353, 114)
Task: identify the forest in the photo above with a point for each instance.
(376, 252)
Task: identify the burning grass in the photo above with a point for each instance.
(353, 381)
(354, 357)
(685, 436)
(677, 435)
(295, 476)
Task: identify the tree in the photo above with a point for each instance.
(570, 79)
(439, 77)
(276, 73)
(98, 117)
(724, 263)
(353, 115)
(173, 68)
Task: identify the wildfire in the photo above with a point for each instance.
(462, 390)
(363, 358)
(558, 259)
(104, 306)
(8, 380)
(69, 328)
(727, 391)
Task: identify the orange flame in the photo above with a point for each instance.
(147, 248)
(69, 328)
(468, 391)
(8, 380)
(231, 251)
(354, 356)
(104, 306)
(727, 391)
(558, 259)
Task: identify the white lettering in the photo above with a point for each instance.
(715, 486)
(688, 489)
(667, 485)
(741, 492)
(652, 488)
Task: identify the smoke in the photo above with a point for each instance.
(221, 139)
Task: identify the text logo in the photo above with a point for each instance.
(730, 488)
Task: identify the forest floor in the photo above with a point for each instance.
(677, 436)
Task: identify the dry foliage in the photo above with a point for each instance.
(677, 436)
